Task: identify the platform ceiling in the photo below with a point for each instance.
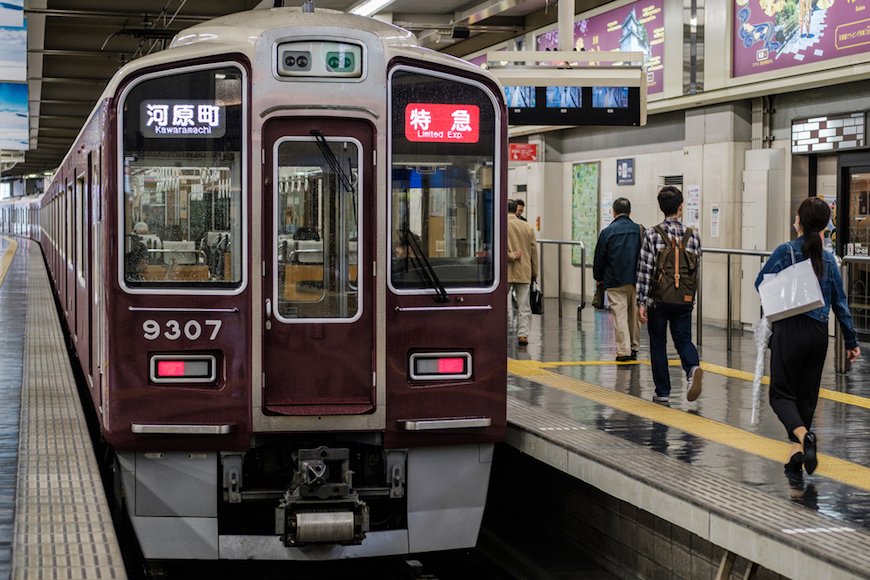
(75, 46)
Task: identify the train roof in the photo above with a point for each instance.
(239, 33)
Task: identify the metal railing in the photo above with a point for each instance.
(729, 316)
(839, 346)
(559, 244)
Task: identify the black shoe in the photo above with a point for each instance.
(795, 464)
(634, 355)
(624, 358)
(811, 461)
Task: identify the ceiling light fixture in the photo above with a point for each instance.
(370, 7)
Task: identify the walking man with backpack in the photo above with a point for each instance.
(667, 278)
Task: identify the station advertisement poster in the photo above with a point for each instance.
(776, 35)
(14, 124)
(636, 27)
(585, 180)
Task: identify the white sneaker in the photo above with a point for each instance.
(696, 376)
(662, 400)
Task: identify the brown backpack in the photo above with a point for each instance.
(675, 279)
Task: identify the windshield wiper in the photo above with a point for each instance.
(421, 262)
(331, 160)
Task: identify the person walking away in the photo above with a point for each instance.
(522, 266)
(521, 207)
(615, 266)
(799, 344)
(666, 282)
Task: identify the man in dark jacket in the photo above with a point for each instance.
(615, 266)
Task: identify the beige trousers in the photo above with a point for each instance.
(623, 306)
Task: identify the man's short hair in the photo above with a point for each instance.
(520, 202)
(670, 199)
(621, 206)
(512, 206)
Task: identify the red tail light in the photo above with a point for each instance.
(183, 368)
(435, 366)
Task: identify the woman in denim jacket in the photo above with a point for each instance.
(799, 343)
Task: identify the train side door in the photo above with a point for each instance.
(319, 247)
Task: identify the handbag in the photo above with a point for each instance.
(792, 291)
(598, 299)
(536, 299)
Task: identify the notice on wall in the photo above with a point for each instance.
(606, 209)
(584, 208)
(714, 220)
(692, 207)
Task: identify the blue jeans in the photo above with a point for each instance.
(680, 318)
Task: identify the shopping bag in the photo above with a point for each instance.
(598, 300)
(536, 299)
(793, 291)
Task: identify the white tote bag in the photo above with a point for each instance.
(792, 291)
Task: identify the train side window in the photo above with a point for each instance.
(443, 137)
(182, 222)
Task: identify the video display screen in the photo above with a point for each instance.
(572, 105)
(610, 97)
(520, 97)
(564, 98)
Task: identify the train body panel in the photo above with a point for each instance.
(279, 248)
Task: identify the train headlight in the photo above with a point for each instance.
(183, 368)
(438, 366)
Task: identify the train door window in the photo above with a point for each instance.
(182, 216)
(82, 229)
(317, 226)
(443, 151)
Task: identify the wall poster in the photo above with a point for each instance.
(639, 26)
(585, 179)
(771, 36)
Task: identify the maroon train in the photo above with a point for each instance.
(279, 247)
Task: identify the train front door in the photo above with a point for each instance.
(319, 247)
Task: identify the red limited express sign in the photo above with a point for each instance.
(433, 123)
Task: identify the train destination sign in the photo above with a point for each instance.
(437, 123)
(188, 118)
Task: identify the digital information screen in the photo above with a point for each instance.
(570, 105)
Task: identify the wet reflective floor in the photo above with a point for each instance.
(568, 368)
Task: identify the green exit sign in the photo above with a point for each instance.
(340, 61)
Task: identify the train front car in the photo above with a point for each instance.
(307, 330)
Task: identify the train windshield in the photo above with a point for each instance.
(182, 162)
(443, 148)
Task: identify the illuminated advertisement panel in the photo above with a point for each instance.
(635, 27)
(770, 36)
(437, 123)
(14, 131)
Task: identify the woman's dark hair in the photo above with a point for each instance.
(815, 214)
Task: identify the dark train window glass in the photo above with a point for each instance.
(182, 181)
(443, 147)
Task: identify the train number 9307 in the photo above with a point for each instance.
(173, 329)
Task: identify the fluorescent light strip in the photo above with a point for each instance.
(370, 7)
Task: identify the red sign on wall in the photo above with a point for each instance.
(523, 152)
(432, 123)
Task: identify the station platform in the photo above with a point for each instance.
(701, 483)
(54, 518)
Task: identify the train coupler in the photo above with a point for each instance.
(303, 522)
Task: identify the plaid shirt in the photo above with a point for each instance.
(653, 243)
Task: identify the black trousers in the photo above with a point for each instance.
(798, 348)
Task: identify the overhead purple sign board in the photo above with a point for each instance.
(772, 36)
(636, 27)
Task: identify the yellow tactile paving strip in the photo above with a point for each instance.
(831, 467)
(836, 396)
(6, 260)
(63, 528)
